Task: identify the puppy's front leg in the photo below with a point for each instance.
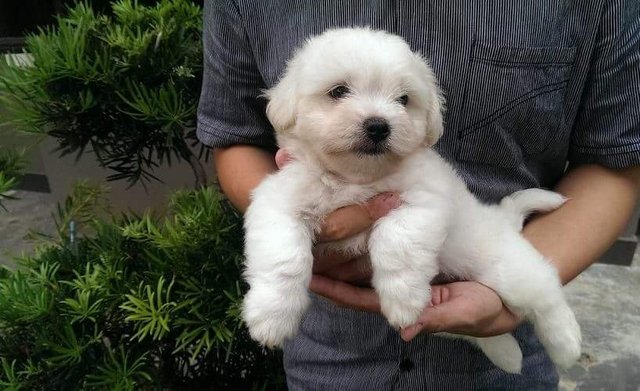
(403, 248)
(278, 265)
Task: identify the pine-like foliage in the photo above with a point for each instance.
(12, 164)
(140, 303)
(124, 85)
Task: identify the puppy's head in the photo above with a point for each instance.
(358, 101)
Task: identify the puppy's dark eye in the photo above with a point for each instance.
(338, 92)
(403, 100)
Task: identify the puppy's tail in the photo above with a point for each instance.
(502, 350)
(523, 203)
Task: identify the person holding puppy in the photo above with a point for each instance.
(527, 91)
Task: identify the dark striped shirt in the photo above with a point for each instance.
(529, 85)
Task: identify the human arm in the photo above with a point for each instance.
(240, 169)
(231, 116)
(601, 201)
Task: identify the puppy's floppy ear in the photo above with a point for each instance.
(281, 109)
(434, 101)
(435, 122)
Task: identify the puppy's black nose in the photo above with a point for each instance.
(377, 129)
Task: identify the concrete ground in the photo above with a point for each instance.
(606, 300)
(31, 211)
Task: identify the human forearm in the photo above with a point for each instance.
(600, 203)
(240, 169)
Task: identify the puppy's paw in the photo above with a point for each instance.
(271, 331)
(566, 347)
(271, 322)
(401, 315)
(403, 307)
(560, 334)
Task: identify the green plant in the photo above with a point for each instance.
(133, 303)
(12, 163)
(124, 85)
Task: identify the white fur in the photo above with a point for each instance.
(440, 226)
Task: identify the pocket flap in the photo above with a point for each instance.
(514, 56)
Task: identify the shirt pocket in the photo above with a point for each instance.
(514, 103)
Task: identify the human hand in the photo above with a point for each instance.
(464, 307)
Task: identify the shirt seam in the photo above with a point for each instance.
(223, 133)
(595, 151)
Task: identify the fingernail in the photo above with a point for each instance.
(282, 158)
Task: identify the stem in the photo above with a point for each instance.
(196, 166)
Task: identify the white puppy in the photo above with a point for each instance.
(359, 111)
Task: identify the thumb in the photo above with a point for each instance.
(434, 319)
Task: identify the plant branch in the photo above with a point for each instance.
(196, 166)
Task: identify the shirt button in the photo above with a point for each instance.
(406, 365)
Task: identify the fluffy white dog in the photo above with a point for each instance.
(360, 112)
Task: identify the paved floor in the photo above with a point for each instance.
(606, 300)
(31, 211)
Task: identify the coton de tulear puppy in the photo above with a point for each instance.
(359, 112)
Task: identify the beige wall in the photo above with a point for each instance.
(63, 172)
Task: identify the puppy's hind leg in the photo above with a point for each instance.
(530, 287)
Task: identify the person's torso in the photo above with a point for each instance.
(512, 72)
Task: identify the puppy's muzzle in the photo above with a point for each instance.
(377, 129)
